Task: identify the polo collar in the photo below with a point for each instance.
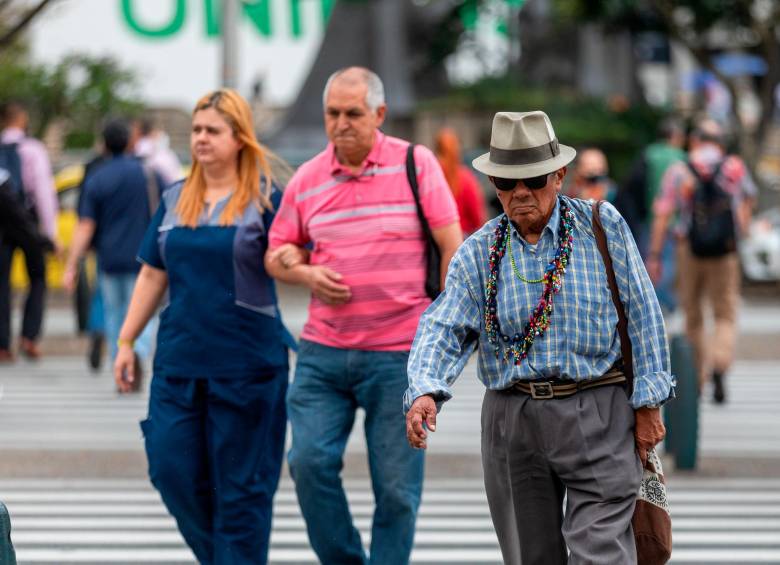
(375, 157)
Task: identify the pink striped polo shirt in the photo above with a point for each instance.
(365, 227)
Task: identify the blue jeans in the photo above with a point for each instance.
(96, 323)
(666, 288)
(117, 289)
(330, 384)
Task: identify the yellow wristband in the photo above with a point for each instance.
(120, 342)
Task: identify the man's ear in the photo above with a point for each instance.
(381, 114)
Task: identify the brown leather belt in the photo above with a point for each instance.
(541, 390)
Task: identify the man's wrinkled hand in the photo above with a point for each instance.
(422, 414)
(649, 430)
(325, 284)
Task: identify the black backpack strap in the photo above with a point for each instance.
(711, 178)
(153, 189)
(411, 175)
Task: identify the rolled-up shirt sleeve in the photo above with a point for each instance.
(288, 225)
(446, 337)
(653, 381)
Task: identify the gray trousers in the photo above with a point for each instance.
(536, 451)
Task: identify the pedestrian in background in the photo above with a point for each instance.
(642, 187)
(707, 202)
(151, 145)
(29, 166)
(119, 198)
(216, 424)
(591, 177)
(463, 184)
(529, 292)
(16, 224)
(366, 273)
(96, 326)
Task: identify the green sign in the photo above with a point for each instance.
(258, 12)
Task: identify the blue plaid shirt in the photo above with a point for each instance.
(582, 341)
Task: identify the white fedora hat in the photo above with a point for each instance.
(523, 145)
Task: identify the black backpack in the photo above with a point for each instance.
(11, 162)
(712, 232)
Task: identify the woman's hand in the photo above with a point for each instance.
(290, 255)
(125, 368)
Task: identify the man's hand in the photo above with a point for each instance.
(324, 284)
(289, 255)
(649, 430)
(423, 411)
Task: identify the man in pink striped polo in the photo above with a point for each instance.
(366, 271)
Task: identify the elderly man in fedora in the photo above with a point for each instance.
(529, 292)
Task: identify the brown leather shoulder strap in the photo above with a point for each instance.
(622, 325)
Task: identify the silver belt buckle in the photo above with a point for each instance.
(541, 391)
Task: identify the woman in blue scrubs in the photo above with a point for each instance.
(216, 425)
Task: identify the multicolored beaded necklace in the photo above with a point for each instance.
(518, 346)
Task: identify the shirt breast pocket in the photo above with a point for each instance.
(590, 320)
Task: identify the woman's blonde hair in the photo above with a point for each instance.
(252, 161)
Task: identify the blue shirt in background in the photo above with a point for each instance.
(222, 319)
(115, 197)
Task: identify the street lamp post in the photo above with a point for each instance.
(230, 43)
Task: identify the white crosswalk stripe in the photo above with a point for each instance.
(57, 405)
(123, 521)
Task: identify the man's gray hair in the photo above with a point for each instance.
(375, 92)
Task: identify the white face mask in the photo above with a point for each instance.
(706, 154)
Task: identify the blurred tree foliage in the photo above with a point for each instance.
(619, 129)
(81, 90)
(16, 16)
(746, 24)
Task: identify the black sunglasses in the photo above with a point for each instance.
(595, 179)
(534, 183)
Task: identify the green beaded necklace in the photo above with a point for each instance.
(512, 260)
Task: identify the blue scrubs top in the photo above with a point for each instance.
(222, 318)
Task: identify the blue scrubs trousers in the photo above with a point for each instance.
(215, 449)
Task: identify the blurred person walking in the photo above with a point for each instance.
(707, 201)
(16, 224)
(591, 177)
(557, 420)
(463, 184)
(96, 326)
(151, 145)
(642, 187)
(115, 209)
(216, 424)
(366, 273)
(27, 161)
